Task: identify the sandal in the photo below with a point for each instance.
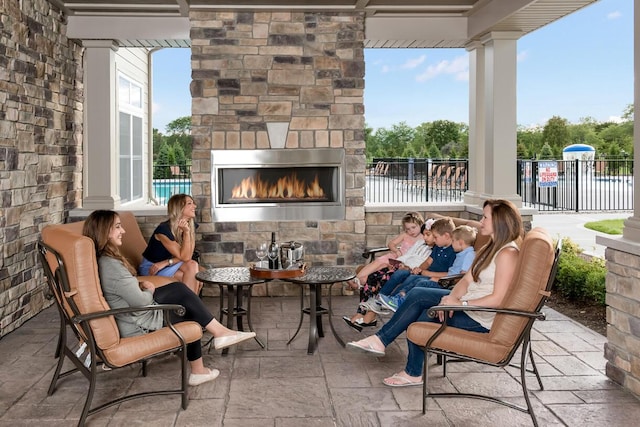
(399, 380)
(365, 347)
(354, 283)
(354, 325)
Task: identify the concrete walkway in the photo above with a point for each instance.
(282, 386)
(572, 225)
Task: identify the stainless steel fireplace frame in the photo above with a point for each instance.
(278, 158)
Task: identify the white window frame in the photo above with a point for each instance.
(128, 111)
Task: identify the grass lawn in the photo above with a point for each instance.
(609, 226)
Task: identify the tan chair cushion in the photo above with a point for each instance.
(133, 243)
(525, 293)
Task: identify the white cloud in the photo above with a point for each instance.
(522, 56)
(155, 107)
(385, 69)
(413, 63)
(458, 67)
(614, 15)
(615, 119)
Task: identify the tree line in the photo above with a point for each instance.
(439, 139)
(446, 139)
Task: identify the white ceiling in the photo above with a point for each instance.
(388, 23)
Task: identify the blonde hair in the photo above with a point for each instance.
(175, 205)
(465, 233)
(507, 227)
(442, 226)
(97, 227)
(413, 218)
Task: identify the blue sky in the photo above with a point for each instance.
(580, 66)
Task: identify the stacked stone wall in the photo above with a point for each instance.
(40, 146)
(622, 350)
(303, 70)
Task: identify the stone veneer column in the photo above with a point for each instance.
(41, 97)
(305, 70)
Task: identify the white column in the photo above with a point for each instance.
(631, 230)
(100, 129)
(476, 172)
(500, 121)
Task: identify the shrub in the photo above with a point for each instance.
(578, 278)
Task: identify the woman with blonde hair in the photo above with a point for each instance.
(171, 247)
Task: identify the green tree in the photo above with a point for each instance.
(179, 132)
(556, 134)
(442, 132)
(546, 152)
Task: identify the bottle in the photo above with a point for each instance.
(273, 253)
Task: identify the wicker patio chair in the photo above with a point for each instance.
(511, 329)
(71, 269)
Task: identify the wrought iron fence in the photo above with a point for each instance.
(169, 180)
(576, 185)
(415, 180)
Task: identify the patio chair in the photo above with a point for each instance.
(71, 269)
(511, 329)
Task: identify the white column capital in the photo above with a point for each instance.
(500, 35)
(101, 44)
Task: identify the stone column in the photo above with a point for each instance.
(279, 80)
(100, 131)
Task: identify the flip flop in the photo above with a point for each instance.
(402, 381)
(352, 324)
(367, 348)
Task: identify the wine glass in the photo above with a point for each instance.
(273, 253)
(261, 252)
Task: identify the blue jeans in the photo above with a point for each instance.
(396, 279)
(416, 281)
(414, 309)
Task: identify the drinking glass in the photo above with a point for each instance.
(272, 252)
(261, 253)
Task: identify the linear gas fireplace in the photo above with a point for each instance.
(280, 185)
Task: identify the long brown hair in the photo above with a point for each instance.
(175, 205)
(97, 227)
(507, 227)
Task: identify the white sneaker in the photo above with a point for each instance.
(197, 379)
(373, 305)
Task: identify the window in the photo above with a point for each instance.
(131, 139)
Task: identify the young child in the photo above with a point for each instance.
(463, 239)
(413, 258)
(399, 245)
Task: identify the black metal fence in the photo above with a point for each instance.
(169, 180)
(576, 185)
(545, 185)
(415, 180)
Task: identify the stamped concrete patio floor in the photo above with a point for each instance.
(283, 386)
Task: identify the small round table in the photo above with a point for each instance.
(315, 277)
(234, 279)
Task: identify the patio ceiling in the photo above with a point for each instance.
(389, 23)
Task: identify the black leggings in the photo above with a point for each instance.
(179, 293)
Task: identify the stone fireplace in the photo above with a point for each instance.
(273, 92)
(273, 185)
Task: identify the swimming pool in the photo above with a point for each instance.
(163, 189)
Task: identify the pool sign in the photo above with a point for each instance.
(548, 174)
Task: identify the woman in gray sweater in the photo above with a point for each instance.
(121, 288)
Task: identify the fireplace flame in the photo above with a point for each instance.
(287, 187)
